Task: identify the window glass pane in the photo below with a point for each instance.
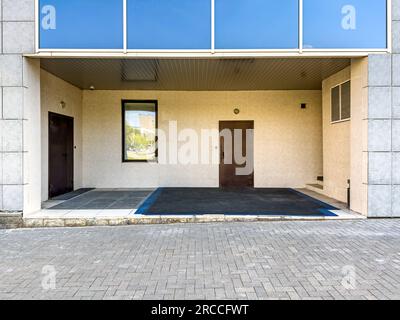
(81, 24)
(345, 24)
(335, 103)
(345, 100)
(140, 121)
(172, 24)
(256, 24)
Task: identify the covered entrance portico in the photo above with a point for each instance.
(285, 101)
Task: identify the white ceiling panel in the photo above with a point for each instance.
(196, 74)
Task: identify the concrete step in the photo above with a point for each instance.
(316, 187)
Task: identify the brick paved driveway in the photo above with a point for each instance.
(335, 259)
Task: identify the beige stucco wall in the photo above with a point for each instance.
(336, 143)
(53, 91)
(288, 140)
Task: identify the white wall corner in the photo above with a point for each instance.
(32, 136)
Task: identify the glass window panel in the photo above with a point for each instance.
(172, 24)
(81, 24)
(335, 104)
(139, 131)
(345, 24)
(345, 101)
(256, 24)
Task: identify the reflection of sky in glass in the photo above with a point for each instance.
(169, 24)
(323, 24)
(88, 24)
(239, 24)
(132, 117)
(257, 24)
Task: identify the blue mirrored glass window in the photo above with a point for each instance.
(81, 24)
(172, 24)
(345, 24)
(257, 24)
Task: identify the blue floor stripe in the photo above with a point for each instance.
(145, 207)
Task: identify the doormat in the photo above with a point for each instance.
(243, 201)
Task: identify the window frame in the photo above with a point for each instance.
(339, 85)
(213, 52)
(123, 103)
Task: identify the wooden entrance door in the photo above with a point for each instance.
(229, 176)
(61, 154)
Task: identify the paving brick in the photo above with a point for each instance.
(280, 260)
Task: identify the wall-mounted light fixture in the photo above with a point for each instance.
(63, 104)
(92, 88)
(236, 111)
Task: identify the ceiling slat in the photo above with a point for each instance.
(196, 74)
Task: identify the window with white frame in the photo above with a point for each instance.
(341, 102)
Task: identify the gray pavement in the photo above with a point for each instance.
(260, 260)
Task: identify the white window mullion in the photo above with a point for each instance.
(212, 26)
(125, 23)
(301, 26)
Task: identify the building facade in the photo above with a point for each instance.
(319, 80)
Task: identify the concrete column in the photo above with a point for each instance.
(359, 135)
(396, 109)
(18, 88)
(383, 148)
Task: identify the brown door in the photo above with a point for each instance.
(61, 154)
(236, 171)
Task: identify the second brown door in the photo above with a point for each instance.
(228, 171)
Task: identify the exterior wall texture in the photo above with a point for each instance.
(336, 143)
(288, 139)
(359, 135)
(17, 37)
(343, 142)
(383, 121)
